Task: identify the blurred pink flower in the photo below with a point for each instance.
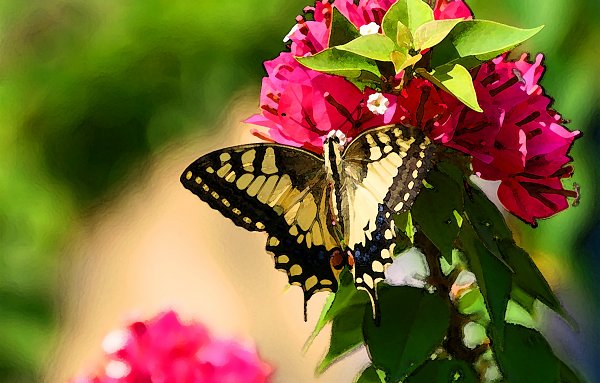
(165, 350)
(518, 140)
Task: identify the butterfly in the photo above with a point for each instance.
(321, 213)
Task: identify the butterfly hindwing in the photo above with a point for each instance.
(279, 190)
(386, 167)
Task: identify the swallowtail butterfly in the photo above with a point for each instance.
(321, 214)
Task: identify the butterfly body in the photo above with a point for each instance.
(320, 213)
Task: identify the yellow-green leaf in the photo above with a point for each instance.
(433, 32)
(376, 47)
(456, 80)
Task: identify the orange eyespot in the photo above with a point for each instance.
(350, 260)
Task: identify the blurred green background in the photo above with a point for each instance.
(90, 88)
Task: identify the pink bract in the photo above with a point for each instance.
(165, 350)
(300, 106)
(451, 9)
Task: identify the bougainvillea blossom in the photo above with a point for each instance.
(300, 106)
(451, 9)
(164, 350)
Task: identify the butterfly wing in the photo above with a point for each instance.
(277, 189)
(385, 168)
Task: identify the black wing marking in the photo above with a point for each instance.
(385, 167)
(277, 189)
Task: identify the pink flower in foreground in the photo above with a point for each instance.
(300, 106)
(165, 350)
(518, 139)
(451, 9)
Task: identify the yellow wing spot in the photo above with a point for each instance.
(210, 170)
(306, 212)
(268, 164)
(236, 211)
(419, 163)
(295, 270)
(308, 240)
(198, 180)
(294, 230)
(311, 282)
(384, 138)
(224, 157)
(415, 173)
(399, 206)
(260, 225)
(273, 241)
(377, 267)
(406, 197)
(243, 182)
(411, 184)
(358, 280)
(226, 202)
(368, 280)
(296, 283)
(317, 237)
(230, 177)
(326, 282)
(387, 149)
(247, 220)
(385, 253)
(225, 169)
(388, 234)
(256, 185)
(375, 153)
(267, 189)
(283, 259)
(422, 154)
(397, 132)
(248, 159)
(188, 175)
(300, 238)
(205, 187)
(215, 195)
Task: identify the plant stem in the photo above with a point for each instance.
(453, 344)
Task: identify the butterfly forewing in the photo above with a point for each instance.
(385, 168)
(277, 189)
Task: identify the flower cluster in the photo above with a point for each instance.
(164, 350)
(518, 139)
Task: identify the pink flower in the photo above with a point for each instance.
(310, 37)
(451, 9)
(300, 106)
(165, 350)
(518, 139)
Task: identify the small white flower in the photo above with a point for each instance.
(292, 31)
(378, 103)
(369, 29)
(115, 369)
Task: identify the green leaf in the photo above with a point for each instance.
(340, 63)
(447, 371)
(527, 276)
(321, 323)
(493, 278)
(472, 303)
(487, 220)
(405, 338)
(404, 222)
(402, 61)
(456, 80)
(342, 30)
(404, 38)
(567, 375)
(346, 335)
(433, 211)
(473, 41)
(376, 47)
(371, 375)
(418, 13)
(526, 357)
(398, 13)
(433, 32)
